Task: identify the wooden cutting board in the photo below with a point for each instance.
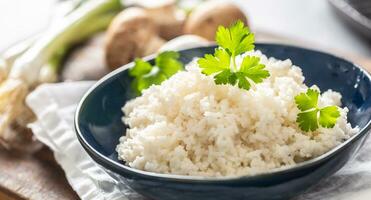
(35, 177)
(38, 177)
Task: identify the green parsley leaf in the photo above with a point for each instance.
(228, 77)
(252, 69)
(225, 77)
(218, 62)
(168, 63)
(308, 100)
(232, 42)
(145, 82)
(308, 120)
(243, 83)
(140, 68)
(328, 116)
(311, 116)
(235, 40)
(146, 75)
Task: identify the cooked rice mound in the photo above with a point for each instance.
(188, 125)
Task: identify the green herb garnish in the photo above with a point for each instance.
(311, 116)
(232, 42)
(166, 65)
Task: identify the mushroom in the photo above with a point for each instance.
(169, 18)
(86, 62)
(166, 14)
(205, 18)
(131, 34)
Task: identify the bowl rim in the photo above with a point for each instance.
(117, 167)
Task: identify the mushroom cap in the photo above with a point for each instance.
(169, 18)
(205, 18)
(127, 36)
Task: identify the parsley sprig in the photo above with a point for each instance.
(232, 42)
(145, 75)
(311, 116)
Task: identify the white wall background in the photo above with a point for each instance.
(313, 21)
(22, 18)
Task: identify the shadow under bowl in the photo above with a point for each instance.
(99, 127)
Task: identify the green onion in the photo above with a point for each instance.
(47, 52)
(76, 27)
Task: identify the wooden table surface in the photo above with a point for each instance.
(34, 177)
(38, 177)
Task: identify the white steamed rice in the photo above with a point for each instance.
(188, 125)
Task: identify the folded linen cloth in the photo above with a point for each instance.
(54, 106)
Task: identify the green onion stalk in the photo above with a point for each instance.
(20, 73)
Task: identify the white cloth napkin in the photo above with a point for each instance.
(54, 106)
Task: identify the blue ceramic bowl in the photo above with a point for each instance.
(99, 127)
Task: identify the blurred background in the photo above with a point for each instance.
(316, 22)
(66, 44)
